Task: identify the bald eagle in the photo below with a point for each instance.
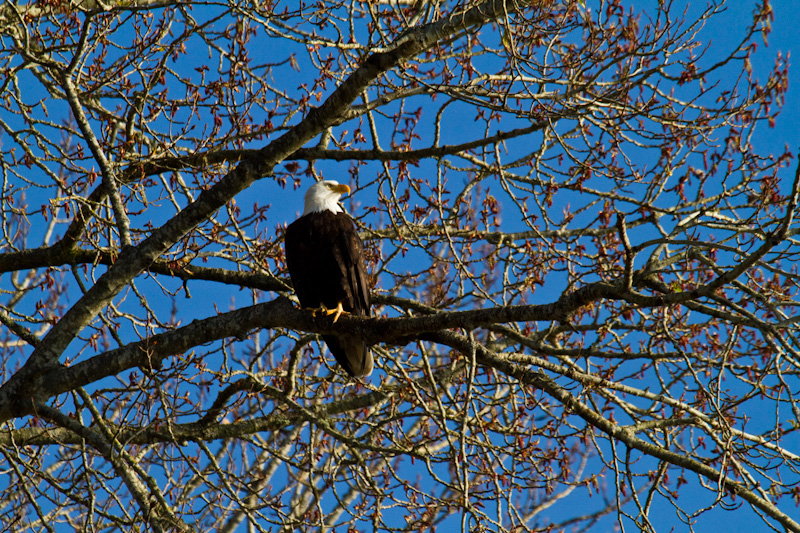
(325, 257)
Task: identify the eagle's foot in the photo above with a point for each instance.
(323, 310)
(336, 312)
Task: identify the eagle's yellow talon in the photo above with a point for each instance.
(323, 310)
(336, 312)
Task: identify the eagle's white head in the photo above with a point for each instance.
(324, 196)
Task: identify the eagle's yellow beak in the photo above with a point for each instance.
(341, 188)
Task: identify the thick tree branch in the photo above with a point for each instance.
(135, 259)
(281, 313)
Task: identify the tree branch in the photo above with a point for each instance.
(134, 259)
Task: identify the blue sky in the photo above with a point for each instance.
(287, 203)
(785, 38)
